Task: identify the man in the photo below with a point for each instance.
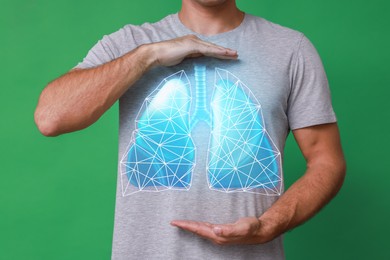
(202, 131)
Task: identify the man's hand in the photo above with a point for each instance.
(249, 230)
(172, 52)
(77, 99)
(324, 176)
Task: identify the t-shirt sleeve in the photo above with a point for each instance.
(309, 101)
(108, 48)
(99, 54)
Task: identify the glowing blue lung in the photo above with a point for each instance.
(161, 154)
(242, 156)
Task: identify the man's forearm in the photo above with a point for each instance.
(78, 98)
(300, 202)
(303, 199)
(321, 147)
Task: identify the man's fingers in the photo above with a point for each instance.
(200, 228)
(227, 230)
(217, 52)
(244, 231)
(220, 54)
(172, 52)
(242, 228)
(194, 55)
(207, 229)
(213, 50)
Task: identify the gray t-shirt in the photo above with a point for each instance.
(203, 140)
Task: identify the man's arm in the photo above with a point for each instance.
(77, 99)
(326, 168)
(321, 147)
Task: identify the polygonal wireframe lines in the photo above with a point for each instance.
(242, 156)
(161, 154)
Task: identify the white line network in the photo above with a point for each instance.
(242, 155)
(161, 155)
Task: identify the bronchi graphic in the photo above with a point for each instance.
(241, 156)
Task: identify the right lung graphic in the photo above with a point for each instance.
(241, 156)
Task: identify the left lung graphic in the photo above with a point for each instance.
(161, 155)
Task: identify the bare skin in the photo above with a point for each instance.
(78, 98)
(319, 144)
(209, 17)
(324, 176)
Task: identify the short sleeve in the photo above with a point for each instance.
(99, 54)
(309, 102)
(110, 47)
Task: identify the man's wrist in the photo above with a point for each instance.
(269, 229)
(147, 54)
(142, 57)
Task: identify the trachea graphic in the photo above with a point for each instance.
(161, 155)
(201, 111)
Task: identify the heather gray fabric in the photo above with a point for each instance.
(281, 72)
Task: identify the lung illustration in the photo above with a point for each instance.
(242, 156)
(161, 154)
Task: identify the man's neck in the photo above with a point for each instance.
(210, 20)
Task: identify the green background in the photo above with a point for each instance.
(57, 194)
